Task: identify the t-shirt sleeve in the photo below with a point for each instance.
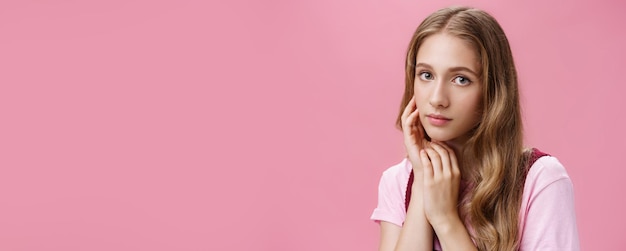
(391, 192)
(549, 217)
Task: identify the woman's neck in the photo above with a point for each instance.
(457, 145)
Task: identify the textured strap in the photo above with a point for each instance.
(407, 199)
(534, 156)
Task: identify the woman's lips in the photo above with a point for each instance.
(438, 120)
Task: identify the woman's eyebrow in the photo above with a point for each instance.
(453, 69)
(424, 65)
(462, 68)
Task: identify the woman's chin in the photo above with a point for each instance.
(439, 139)
(442, 137)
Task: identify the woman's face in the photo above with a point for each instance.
(447, 87)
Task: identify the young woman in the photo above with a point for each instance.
(468, 183)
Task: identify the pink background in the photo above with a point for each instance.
(265, 125)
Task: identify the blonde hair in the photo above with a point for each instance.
(495, 150)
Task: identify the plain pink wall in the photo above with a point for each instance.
(265, 125)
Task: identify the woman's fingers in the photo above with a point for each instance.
(441, 185)
(407, 111)
(407, 127)
(428, 168)
(435, 161)
(454, 165)
(446, 165)
(412, 126)
(420, 134)
(424, 143)
(411, 138)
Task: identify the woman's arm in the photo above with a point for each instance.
(454, 236)
(389, 234)
(441, 194)
(416, 233)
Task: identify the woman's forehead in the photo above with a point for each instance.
(443, 52)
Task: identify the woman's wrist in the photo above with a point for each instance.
(445, 227)
(453, 235)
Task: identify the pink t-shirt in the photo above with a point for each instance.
(547, 218)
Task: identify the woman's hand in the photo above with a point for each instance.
(442, 179)
(413, 135)
(415, 233)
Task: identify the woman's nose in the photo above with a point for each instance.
(439, 95)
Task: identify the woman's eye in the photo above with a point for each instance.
(426, 76)
(462, 80)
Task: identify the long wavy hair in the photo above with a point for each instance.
(494, 157)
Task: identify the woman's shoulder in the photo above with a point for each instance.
(545, 171)
(547, 215)
(397, 174)
(404, 166)
(392, 193)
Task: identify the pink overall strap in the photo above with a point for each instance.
(534, 156)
